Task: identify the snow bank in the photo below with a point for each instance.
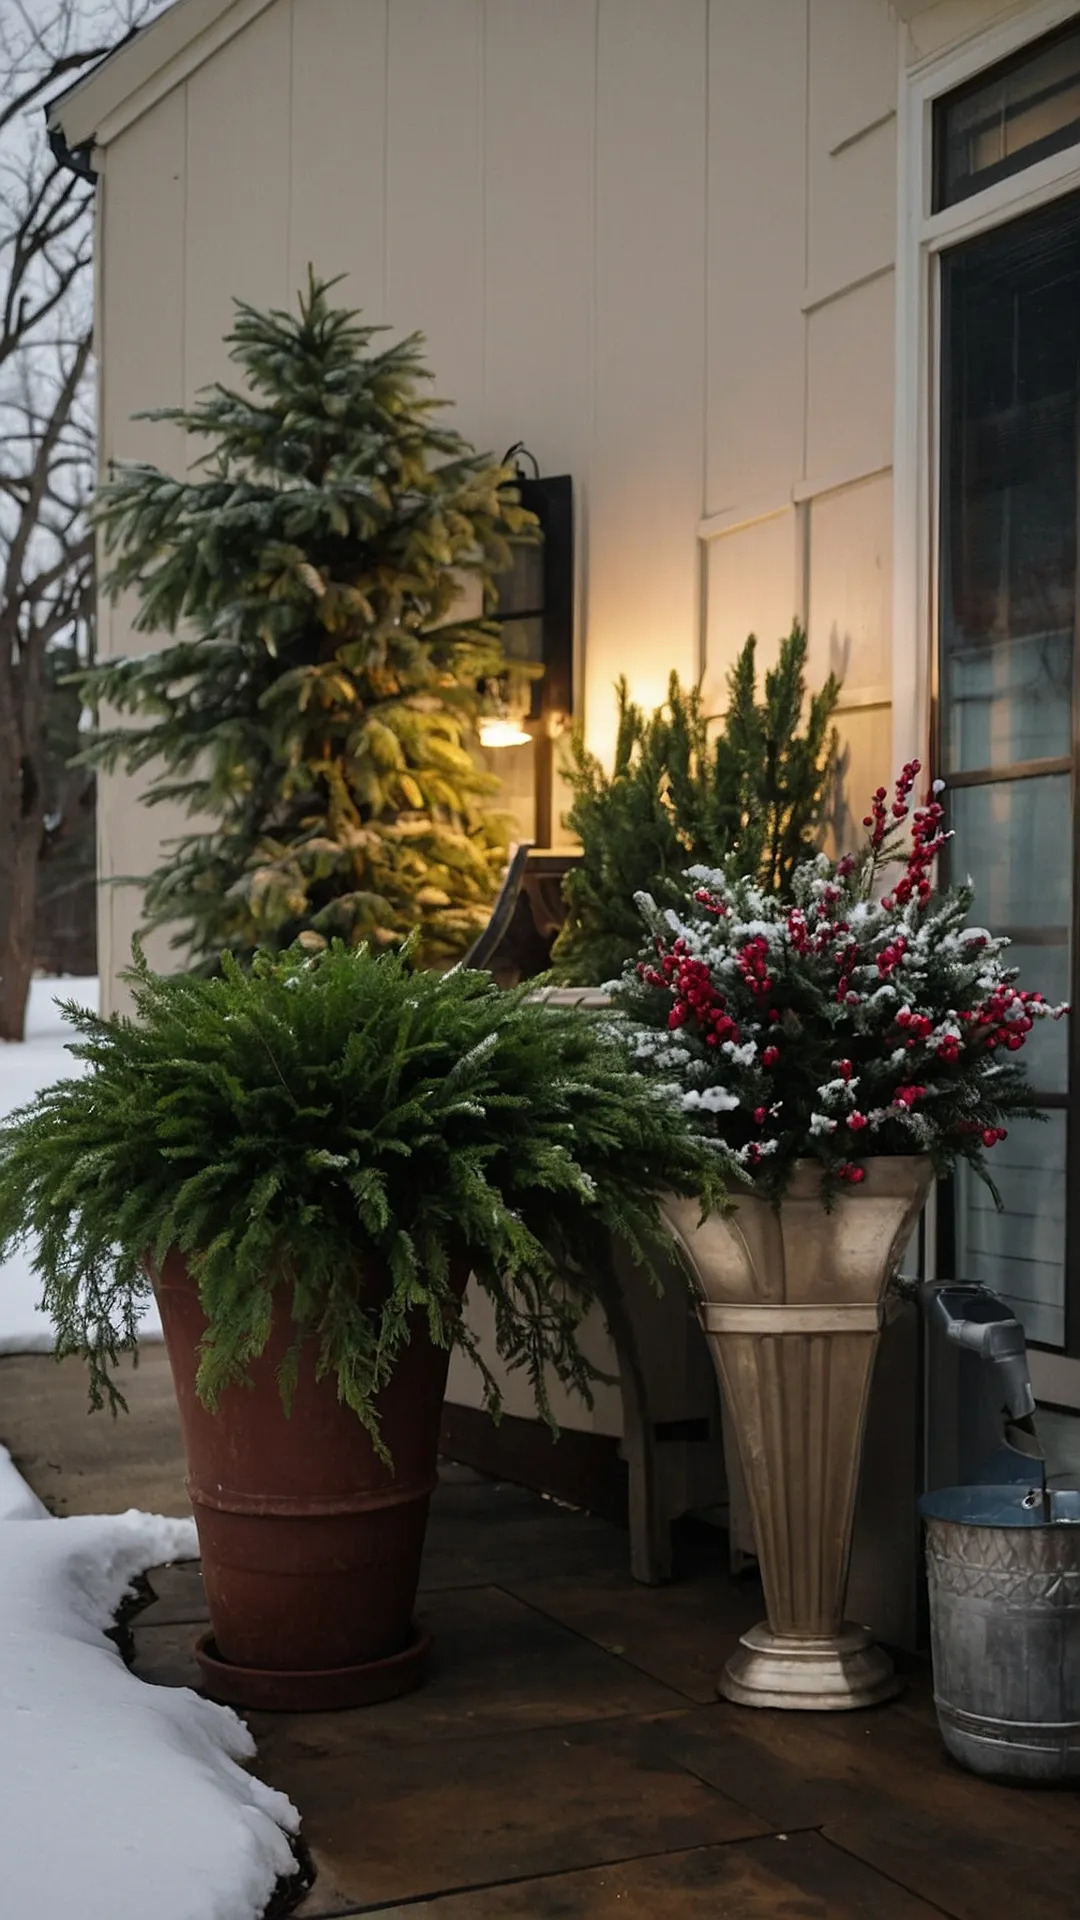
(17, 1500)
(118, 1800)
(24, 1070)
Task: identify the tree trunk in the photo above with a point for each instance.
(18, 898)
(21, 804)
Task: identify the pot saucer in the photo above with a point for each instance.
(313, 1691)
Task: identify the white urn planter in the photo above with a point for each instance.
(792, 1300)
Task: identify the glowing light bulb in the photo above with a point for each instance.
(502, 733)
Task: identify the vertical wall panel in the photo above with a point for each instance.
(140, 341)
(539, 101)
(754, 586)
(853, 66)
(539, 246)
(237, 235)
(852, 210)
(851, 586)
(852, 140)
(435, 230)
(338, 148)
(865, 764)
(756, 248)
(850, 406)
(643, 612)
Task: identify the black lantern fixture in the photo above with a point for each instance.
(535, 610)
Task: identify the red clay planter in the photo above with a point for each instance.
(311, 1545)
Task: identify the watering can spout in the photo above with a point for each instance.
(974, 1318)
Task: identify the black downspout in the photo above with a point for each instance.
(73, 159)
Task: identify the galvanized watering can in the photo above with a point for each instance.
(1003, 1565)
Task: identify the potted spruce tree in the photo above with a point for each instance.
(680, 794)
(842, 1048)
(313, 703)
(306, 1159)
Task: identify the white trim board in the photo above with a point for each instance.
(142, 70)
(922, 237)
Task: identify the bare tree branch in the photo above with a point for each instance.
(47, 445)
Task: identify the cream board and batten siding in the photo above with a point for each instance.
(576, 203)
(653, 238)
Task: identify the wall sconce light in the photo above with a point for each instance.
(498, 725)
(535, 610)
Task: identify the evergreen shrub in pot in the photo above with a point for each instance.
(306, 1160)
(842, 1047)
(749, 795)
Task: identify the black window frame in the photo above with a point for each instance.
(1013, 164)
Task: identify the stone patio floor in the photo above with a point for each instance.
(568, 1759)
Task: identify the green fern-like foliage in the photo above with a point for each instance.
(750, 795)
(341, 1127)
(313, 708)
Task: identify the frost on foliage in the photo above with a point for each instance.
(867, 1009)
(712, 1100)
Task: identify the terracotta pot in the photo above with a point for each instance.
(792, 1304)
(310, 1544)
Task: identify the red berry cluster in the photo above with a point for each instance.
(995, 1021)
(753, 964)
(710, 902)
(918, 1025)
(890, 957)
(696, 998)
(878, 817)
(907, 1096)
(845, 959)
(927, 840)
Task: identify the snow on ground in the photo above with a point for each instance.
(118, 1800)
(24, 1070)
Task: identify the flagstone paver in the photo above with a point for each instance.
(79, 1462)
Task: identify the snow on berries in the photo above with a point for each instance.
(861, 1015)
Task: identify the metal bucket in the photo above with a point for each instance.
(1003, 1564)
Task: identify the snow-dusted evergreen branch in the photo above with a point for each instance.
(842, 1022)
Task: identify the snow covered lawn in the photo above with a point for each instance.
(118, 1800)
(24, 1070)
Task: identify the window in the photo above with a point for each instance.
(1023, 110)
(1007, 710)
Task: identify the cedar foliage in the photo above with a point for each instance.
(315, 703)
(753, 795)
(340, 1126)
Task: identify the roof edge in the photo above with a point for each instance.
(142, 68)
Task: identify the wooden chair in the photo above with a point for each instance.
(672, 1423)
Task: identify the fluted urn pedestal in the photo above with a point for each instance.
(792, 1302)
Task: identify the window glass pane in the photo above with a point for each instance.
(521, 587)
(1011, 345)
(1007, 119)
(523, 639)
(1020, 1253)
(1012, 839)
